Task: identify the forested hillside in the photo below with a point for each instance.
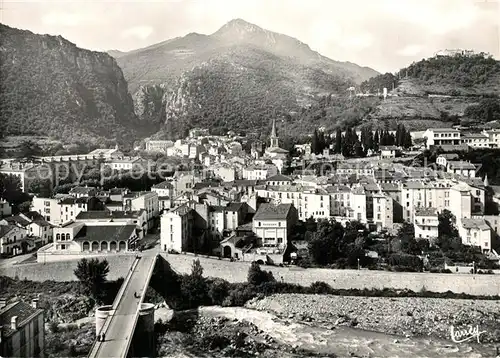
(48, 86)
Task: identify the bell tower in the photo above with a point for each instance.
(274, 137)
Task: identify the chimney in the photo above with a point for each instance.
(13, 323)
(34, 303)
(3, 303)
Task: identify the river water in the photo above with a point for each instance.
(346, 341)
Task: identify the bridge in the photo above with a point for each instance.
(118, 322)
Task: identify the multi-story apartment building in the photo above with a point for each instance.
(165, 188)
(308, 201)
(383, 212)
(442, 136)
(476, 140)
(475, 232)
(426, 223)
(462, 168)
(59, 211)
(273, 224)
(12, 239)
(158, 145)
(177, 229)
(21, 329)
(259, 172)
(147, 201)
(127, 164)
(493, 137)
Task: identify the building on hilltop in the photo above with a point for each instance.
(22, 329)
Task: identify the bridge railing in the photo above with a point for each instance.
(95, 346)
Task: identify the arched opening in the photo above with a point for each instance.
(112, 246)
(68, 237)
(227, 251)
(122, 246)
(58, 237)
(86, 246)
(95, 246)
(260, 262)
(104, 246)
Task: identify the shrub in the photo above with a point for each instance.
(320, 287)
(218, 290)
(256, 276)
(54, 327)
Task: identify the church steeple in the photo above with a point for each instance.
(274, 137)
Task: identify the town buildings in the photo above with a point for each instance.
(22, 329)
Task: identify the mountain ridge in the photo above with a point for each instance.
(293, 73)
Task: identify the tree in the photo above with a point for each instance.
(92, 275)
(41, 187)
(376, 141)
(446, 225)
(256, 276)
(338, 141)
(29, 149)
(194, 288)
(407, 142)
(324, 247)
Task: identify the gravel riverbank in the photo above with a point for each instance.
(410, 317)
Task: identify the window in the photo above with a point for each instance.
(47, 210)
(58, 236)
(260, 223)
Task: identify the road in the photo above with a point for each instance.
(119, 328)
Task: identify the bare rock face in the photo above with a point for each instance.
(49, 86)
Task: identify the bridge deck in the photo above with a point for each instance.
(120, 325)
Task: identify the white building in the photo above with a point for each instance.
(442, 136)
(442, 159)
(426, 223)
(460, 167)
(388, 152)
(5, 208)
(158, 145)
(147, 201)
(59, 211)
(90, 237)
(476, 140)
(475, 232)
(273, 223)
(176, 229)
(13, 240)
(259, 172)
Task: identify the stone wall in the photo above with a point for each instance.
(237, 272)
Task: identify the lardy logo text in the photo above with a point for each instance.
(465, 334)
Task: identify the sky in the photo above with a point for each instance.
(383, 34)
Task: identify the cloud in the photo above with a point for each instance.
(410, 50)
(141, 32)
(65, 19)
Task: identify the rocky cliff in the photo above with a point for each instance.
(50, 86)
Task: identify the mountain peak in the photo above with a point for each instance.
(238, 27)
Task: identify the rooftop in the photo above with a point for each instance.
(19, 309)
(163, 185)
(278, 177)
(479, 224)
(94, 215)
(272, 212)
(105, 232)
(426, 212)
